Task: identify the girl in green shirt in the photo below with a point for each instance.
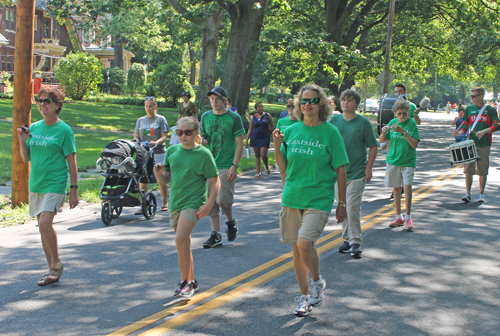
(187, 167)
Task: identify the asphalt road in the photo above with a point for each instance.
(441, 279)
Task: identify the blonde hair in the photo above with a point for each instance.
(194, 124)
(325, 109)
(401, 104)
(479, 90)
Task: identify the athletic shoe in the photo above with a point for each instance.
(409, 224)
(303, 308)
(466, 198)
(178, 289)
(195, 286)
(317, 292)
(215, 240)
(356, 250)
(232, 229)
(480, 198)
(344, 248)
(185, 290)
(397, 222)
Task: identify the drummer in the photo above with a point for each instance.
(481, 134)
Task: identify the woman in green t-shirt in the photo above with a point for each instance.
(313, 154)
(187, 167)
(50, 146)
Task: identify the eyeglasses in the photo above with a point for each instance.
(312, 101)
(290, 106)
(45, 101)
(402, 113)
(188, 132)
(474, 96)
(146, 98)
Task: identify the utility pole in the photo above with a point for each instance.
(435, 89)
(388, 46)
(21, 112)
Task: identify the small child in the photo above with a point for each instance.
(401, 160)
(187, 168)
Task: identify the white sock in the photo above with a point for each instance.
(399, 217)
(407, 217)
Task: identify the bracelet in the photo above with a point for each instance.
(342, 204)
(73, 186)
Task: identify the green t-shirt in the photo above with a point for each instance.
(312, 154)
(220, 131)
(413, 108)
(401, 154)
(358, 135)
(488, 119)
(49, 146)
(190, 169)
(283, 123)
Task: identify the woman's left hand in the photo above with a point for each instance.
(203, 210)
(152, 143)
(73, 198)
(341, 213)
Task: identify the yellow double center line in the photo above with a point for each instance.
(386, 212)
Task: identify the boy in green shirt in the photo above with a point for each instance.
(222, 132)
(401, 160)
(357, 133)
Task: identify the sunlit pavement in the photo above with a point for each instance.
(441, 279)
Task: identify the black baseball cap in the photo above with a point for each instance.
(185, 93)
(219, 91)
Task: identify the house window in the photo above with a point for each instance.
(9, 62)
(55, 29)
(46, 65)
(35, 23)
(3, 61)
(10, 19)
(46, 28)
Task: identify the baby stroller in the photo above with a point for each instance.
(126, 164)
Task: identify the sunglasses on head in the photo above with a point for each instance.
(290, 106)
(44, 101)
(188, 132)
(312, 101)
(145, 98)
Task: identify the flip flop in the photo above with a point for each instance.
(164, 208)
(53, 276)
(257, 176)
(138, 212)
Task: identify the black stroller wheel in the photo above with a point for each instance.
(106, 215)
(116, 211)
(149, 205)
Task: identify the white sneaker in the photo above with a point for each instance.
(466, 198)
(480, 198)
(317, 292)
(303, 308)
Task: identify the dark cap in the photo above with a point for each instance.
(219, 91)
(185, 93)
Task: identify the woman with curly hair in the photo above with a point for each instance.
(313, 154)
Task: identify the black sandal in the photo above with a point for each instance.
(53, 276)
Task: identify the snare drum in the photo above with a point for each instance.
(463, 152)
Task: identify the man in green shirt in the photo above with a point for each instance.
(357, 133)
(488, 123)
(400, 89)
(222, 132)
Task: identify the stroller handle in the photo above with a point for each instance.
(128, 160)
(146, 145)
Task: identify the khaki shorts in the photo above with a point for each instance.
(190, 214)
(225, 198)
(479, 167)
(50, 202)
(394, 175)
(302, 223)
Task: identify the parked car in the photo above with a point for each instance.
(371, 106)
(385, 113)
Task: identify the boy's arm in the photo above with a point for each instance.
(233, 171)
(372, 155)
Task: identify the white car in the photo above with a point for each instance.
(372, 106)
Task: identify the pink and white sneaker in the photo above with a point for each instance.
(409, 225)
(397, 222)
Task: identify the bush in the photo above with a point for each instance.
(136, 77)
(271, 98)
(79, 73)
(117, 80)
(169, 81)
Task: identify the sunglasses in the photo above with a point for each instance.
(312, 101)
(146, 98)
(188, 132)
(402, 113)
(474, 96)
(44, 101)
(290, 106)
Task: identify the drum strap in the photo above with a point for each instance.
(477, 119)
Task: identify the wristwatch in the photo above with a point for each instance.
(403, 133)
(342, 204)
(235, 164)
(73, 186)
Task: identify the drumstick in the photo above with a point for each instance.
(459, 128)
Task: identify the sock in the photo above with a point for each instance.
(407, 217)
(399, 217)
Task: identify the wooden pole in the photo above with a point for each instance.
(365, 94)
(388, 46)
(21, 112)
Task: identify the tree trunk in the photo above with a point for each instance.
(192, 77)
(246, 25)
(118, 52)
(208, 57)
(461, 92)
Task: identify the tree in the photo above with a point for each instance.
(79, 73)
(169, 81)
(136, 77)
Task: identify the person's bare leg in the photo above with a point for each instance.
(408, 197)
(265, 159)
(215, 221)
(164, 194)
(49, 239)
(397, 200)
(301, 270)
(309, 256)
(144, 187)
(468, 183)
(482, 183)
(183, 231)
(256, 151)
